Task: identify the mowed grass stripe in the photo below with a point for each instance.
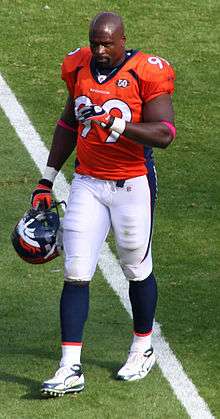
(183, 387)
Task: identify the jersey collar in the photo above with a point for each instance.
(109, 73)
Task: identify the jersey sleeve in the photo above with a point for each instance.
(157, 78)
(70, 67)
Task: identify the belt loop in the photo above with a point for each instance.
(120, 183)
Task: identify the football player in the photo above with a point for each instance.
(119, 106)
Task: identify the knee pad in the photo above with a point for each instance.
(139, 271)
(136, 264)
(75, 269)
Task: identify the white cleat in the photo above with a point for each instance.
(137, 366)
(66, 380)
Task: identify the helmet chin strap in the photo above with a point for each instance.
(59, 237)
(59, 241)
(51, 251)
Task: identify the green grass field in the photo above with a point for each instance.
(35, 36)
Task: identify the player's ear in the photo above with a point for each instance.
(123, 40)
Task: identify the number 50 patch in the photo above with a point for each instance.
(122, 83)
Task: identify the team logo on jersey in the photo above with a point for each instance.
(122, 83)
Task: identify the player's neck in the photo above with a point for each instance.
(108, 70)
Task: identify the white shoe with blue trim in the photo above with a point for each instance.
(66, 380)
(137, 366)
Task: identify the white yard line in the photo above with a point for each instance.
(171, 368)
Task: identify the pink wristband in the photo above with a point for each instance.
(171, 127)
(63, 124)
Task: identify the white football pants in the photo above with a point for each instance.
(94, 206)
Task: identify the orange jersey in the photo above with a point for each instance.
(142, 77)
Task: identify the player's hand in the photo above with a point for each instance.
(96, 114)
(41, 197)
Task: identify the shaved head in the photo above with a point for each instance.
(107, 39)
(107, 21)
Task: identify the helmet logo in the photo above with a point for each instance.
(28, 247)
(26, 233)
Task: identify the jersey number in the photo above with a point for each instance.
(158, 61)
(108, 106)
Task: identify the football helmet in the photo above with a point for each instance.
(37, 237)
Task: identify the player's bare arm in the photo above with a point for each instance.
(157, 130)
(63, 144)
(152, 132)
(64, 139)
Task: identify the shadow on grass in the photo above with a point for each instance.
(111, 366)
(33, 386)
(39, 351)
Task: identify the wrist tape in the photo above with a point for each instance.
(118, 125)
(50, 173)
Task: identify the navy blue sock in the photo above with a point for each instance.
(143, 297)
(74, 307)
